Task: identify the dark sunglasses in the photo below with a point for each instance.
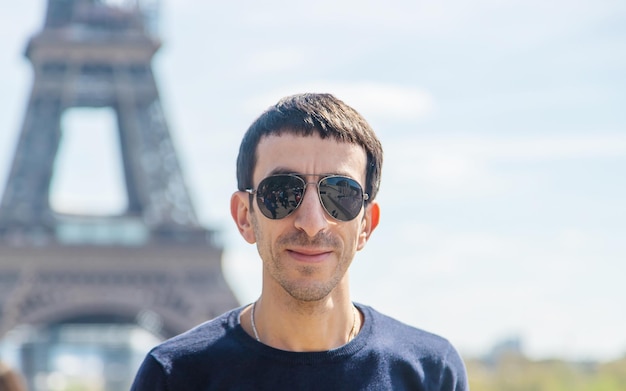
(278, 196)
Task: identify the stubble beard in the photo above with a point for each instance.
(305, 291)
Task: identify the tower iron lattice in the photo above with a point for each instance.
(153, 265)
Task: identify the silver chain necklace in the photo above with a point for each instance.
(256, 334)
(350, 336)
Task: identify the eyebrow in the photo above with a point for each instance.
(283, 170)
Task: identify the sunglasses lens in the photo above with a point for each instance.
(342, 197)
(278, 196)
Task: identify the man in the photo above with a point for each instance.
(308, 172)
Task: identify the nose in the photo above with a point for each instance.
(310, 216)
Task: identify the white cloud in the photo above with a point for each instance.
(448, 164)
(372, 99)
(447, 172)
(518, 148)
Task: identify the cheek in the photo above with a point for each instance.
(255, 232)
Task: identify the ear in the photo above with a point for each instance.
(369, 223)
(240, 211)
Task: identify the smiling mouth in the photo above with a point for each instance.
(309, 255)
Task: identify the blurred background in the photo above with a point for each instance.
(504, 129)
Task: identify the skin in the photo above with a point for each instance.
(306, 256)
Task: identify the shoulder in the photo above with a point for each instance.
(394, 331)
(198, 343)
(182, 360)
(416, 348)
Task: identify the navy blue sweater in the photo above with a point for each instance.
(385, 355)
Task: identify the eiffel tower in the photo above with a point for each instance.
(153, 265)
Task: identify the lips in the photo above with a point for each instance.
(309, 255)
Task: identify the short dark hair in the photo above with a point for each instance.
(305, 115)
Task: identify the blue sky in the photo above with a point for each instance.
(504, 128)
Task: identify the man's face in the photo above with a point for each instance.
(307, 253)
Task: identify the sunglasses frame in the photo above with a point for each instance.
(254, 192)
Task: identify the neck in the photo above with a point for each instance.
(302, 326)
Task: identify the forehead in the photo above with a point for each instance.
(308, 155)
